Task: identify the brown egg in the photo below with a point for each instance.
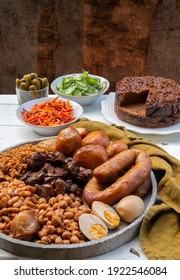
(130, 207)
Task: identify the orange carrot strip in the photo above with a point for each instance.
(49, 113)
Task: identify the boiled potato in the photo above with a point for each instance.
(68, 141)
(96, 137)
(82, 131)
(91, 156)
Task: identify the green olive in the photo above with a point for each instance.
(32, 88)
(23, 86)
(37, 83)
(23, 80)
(44, 82)
(33, 76)
(28, 79)
(18, 82)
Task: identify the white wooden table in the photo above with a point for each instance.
(12, 132)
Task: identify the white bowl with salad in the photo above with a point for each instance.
(83, 88)
(47, 116)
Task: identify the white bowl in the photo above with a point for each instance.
(83, 100)
(48, 130)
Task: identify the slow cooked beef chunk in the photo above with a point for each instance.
(55, 174)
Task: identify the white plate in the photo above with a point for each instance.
(107, 109)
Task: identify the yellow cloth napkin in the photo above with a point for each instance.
(160, 229)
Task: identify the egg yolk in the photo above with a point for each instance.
(97, 231)
(111, 217)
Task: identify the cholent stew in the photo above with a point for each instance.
(72, 188)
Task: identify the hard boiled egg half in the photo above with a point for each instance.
(92, 227)
(106, 213)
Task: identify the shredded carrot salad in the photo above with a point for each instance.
(49, 113)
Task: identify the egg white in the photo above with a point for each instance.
(99, 208)
(87, 221)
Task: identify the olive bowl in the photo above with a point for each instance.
(27, 95)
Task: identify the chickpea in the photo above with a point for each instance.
(50, 229)
(58, 240)
(69, 215)
(46, 239)
(50, 214)
(76, 216)
(63, 204)
(52, 200)
(42, 233)
(67, 199)
(49, 223)
(53, 237)
(66, 234)
(72, 226)
(56, 220)
(74, 239)
(59, 230)
(66, 241)
(55, 206)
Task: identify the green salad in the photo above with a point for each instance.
(80, 85)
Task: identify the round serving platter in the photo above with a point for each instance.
(116, 238)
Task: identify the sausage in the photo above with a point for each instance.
(96, 137)
(123, 186)
(116, 147)
(110, 170)
(144, 188)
